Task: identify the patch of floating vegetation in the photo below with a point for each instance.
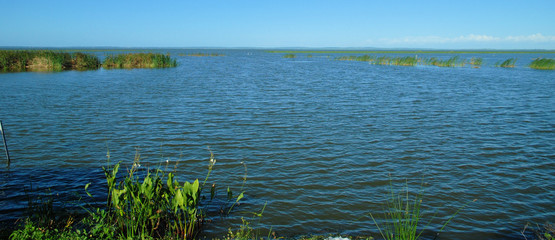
(543, 64)
(290, 55)
(201, 55)
(509, 63)
(139, 60)
(45, 60)
(476, 62)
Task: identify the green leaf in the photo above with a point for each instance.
(86, 187)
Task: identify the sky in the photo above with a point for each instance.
(469, 24)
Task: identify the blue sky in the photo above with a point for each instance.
(280, 23)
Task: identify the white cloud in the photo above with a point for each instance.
(538, 37)
(471, 38)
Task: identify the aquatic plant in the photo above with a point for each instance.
(404, 61)
(32, 231)
(247, 231)
(201, 54)
(153, 203)
(290, 55)
(509, 63)
(543, 64)
(45, 60)
(547, 232)
(142, 204)
(476, 62)
(403, 216)
(139, 60)
(451, 62)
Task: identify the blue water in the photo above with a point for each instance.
(321, 139)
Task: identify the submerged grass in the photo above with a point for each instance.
(139, 60)
(45, 60)
(543, 64)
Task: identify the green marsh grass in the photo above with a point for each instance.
(382, 60)
(139, 60)
(451, 62)
(290, 55)
(46, 60)
(201, 55)
(509, 63)
(403, 215)
(476, 62)
(543, 64)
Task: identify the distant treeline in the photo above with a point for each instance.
(48, 60)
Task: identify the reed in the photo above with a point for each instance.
(403, 216)
(404, 61)
(476, 62)
(543, 64)
(201, 55)
(451, 62)
(383, 60)
(509, 63)
(45, 60)
(139, 60)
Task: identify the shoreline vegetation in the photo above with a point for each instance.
(50, 60)
(156, 203)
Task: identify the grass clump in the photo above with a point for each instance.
(543, 64)
(404, 61)
(476, 62)
(201, 55)
(402, 217)
(139, 60)
(45, 60)
(289, 55)
(451, 62)
(383, 60)
(509, 63)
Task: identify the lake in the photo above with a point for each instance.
(321, 139)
